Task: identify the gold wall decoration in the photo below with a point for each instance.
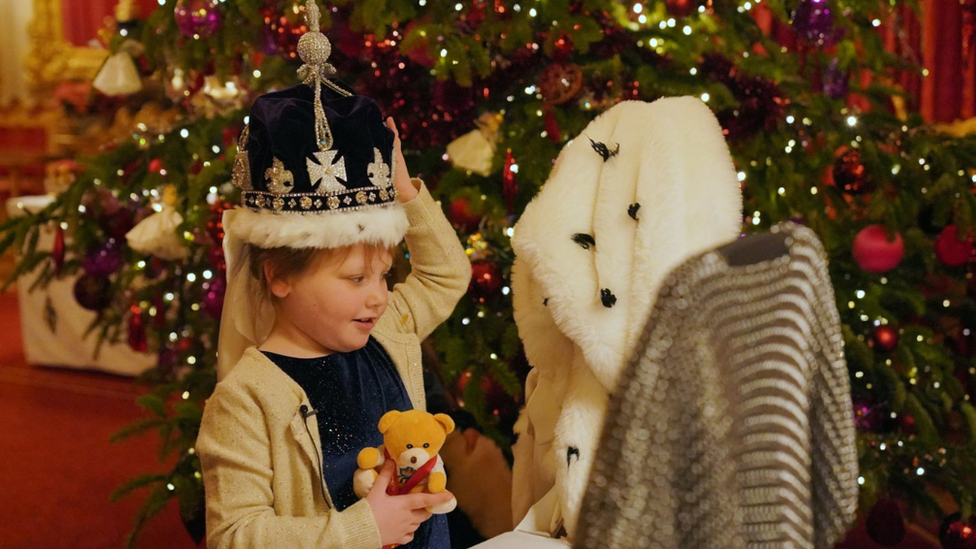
(52, 59)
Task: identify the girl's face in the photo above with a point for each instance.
(334, 304)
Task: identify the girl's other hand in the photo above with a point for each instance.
(398, 517)
(405, 189)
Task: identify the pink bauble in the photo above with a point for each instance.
(213, 297)
(949, 250)
(874, 252)
(197, 18)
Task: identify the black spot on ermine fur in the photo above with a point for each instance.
(603, 150)
(632, 210)
(584, 240)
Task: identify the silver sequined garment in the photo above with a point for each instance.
(732, 424)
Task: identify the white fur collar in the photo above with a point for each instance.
(673, 161)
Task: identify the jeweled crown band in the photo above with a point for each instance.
(353, 200)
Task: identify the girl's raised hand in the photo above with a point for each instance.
(401, 180)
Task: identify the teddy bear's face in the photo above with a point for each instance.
(414, 437)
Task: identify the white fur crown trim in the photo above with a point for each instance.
(377, 225)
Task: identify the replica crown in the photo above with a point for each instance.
(316, 163)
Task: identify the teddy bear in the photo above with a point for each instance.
(412, 439)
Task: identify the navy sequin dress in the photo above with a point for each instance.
(350, 392)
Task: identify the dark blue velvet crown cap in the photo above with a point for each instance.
(282, 127)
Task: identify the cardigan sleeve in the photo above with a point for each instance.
(439, 269)
(235, 456)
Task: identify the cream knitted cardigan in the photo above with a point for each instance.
(261, 467)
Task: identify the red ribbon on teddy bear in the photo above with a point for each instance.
(396, 489)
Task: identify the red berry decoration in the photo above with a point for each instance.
(155, 165)
(57, 250)
(885, 523)
(850, 173)
(950, 251)
(486, 279)
(875, 252)
(562, 48)
(884, 338)
(509, 182)
(215, 225)
(956, 533)
(137, 330)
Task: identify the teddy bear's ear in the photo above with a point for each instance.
(446, 421)
(387, 420)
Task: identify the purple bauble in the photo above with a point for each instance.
(92, 292)
(835, 80)
(103, 260)
(268, 44)
(167, 360)
(813, 20)
(197, 18)
(868, 416)
(213, 297)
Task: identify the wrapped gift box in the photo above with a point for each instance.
(66, 345)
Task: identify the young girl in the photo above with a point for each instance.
(313, 347)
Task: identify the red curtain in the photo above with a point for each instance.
(943, 42)
(82, 19)
(947, 92)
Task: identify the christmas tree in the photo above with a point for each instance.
(486, 93)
